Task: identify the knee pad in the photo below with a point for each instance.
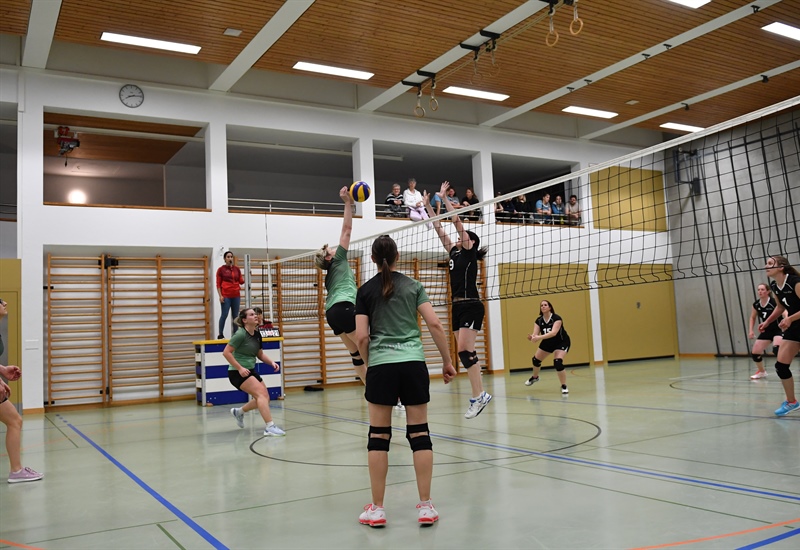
(775, 350)
(536, 362)
(783, 370)
(558, 364)
(468, 358)
(420, 442)
(357, 360)
(379, 443)
(757, 358)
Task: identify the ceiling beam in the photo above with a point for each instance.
(41, 28)
(509, 20)
(758, 78)
(283, 19)
(640, 57)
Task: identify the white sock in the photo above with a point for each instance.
(270, 423)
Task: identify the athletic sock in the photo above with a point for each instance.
(270, 423)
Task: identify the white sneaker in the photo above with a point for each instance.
(759, 374)
(274, 431)
(564, 390)
(477, 405)
(531, 381)
(374, 516)
(427, 513)
(238, 414)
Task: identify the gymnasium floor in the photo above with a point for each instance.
(640, 454)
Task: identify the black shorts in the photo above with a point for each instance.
(342, 318)
(237, 379)
(557, 344)
(793, 332)
(769, 335)
(407, 381)
(468, 314)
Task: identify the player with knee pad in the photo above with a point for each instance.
(549, 331)
(468, 311)
(397, 370)
(340, 301)
(762, 308)
(786, 286)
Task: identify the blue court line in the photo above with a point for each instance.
(168, 505)
(582, 462)
(765, 542)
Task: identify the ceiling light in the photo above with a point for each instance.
(784, 30)
(475, 93)
(149, 43)
(694, 4)
(632, 102)
(232, 32)
(337, 71)
(589, 112)
(76, 197)
(681, 127)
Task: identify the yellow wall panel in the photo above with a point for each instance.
(638, 319)
(629, 199)
(519, 314)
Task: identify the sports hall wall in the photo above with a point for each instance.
(43, 229)
(748, 208)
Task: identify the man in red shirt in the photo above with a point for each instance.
(229, 277)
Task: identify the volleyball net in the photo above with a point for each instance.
(711, 204)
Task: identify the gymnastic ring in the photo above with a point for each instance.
(547, 38)
(580, 28)
(419, 111)
(434, 103)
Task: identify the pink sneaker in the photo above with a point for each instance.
(427, 513)
(25, 474)
(759, 374)
(374, 516)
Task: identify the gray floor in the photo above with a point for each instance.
(641, 454)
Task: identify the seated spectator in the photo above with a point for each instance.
(470, 199)
(543, 212)
(522, 206)
(499, 209)
(437, 205)
(412, 199)
(453, 198)
(573, 211)
(557, 208)
(394, 202)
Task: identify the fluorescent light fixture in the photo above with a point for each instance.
(681, 127)
(694, 4)
(76, 196)
(149, 43)
(336, 71)
(784, 30)
(475, 93)
(589, 112)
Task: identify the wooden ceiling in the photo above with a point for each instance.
(395, 38)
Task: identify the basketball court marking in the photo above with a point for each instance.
(168, 505)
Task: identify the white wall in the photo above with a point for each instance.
(55, 228)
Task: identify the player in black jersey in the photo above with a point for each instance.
(762, 309)
(468, 310)
(786, 286)
(553, 338)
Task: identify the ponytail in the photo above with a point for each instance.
(783, 263)
(384, 254)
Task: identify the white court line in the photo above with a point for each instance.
(702, 375)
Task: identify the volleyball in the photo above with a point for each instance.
(359, 191)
